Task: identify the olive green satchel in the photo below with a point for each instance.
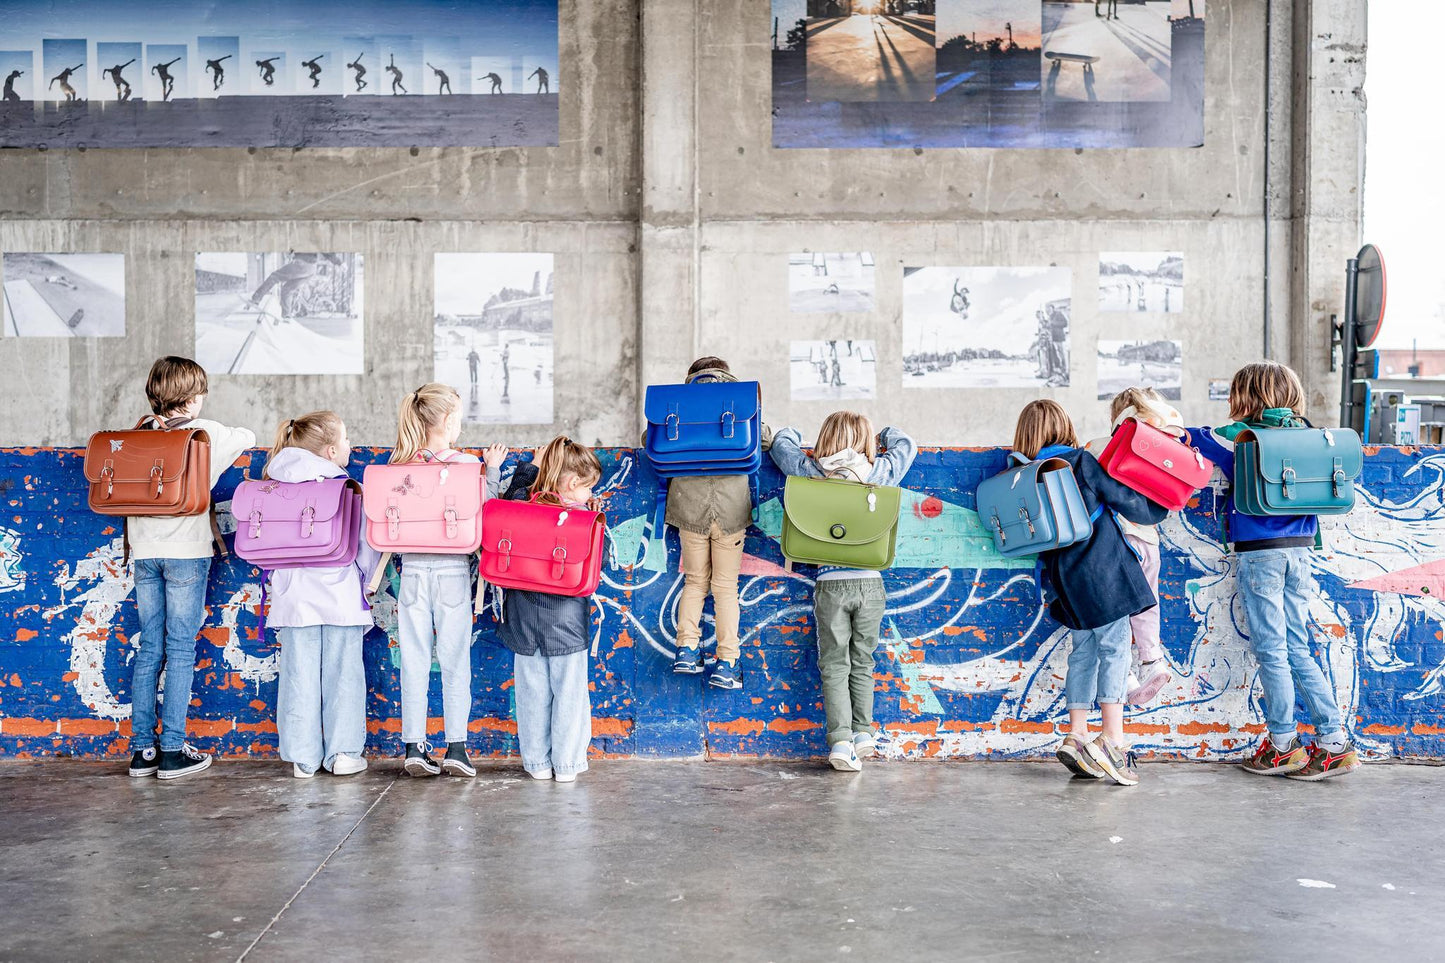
(828, 521)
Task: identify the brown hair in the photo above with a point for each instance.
(312, 432)
(703, 364)
(425, 408)
(846, 429)
(173, 383)
(1043, 423)
(1261, 385)
(1141, 399)
(561, 457)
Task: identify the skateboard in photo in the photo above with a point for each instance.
(1086, 61)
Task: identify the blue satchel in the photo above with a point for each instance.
(704, 428)
(1296, 471)
(1033, 507)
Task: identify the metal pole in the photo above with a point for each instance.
(1348, 353)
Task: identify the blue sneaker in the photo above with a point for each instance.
(688, 660)
(725, 675)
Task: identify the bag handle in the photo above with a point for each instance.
(1019, 457)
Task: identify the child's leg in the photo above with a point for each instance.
(452, 609)
(343, 692)
(1146, 624)
(571, 712)
(833, 606)
(532, 688)
(414, 641)
(1310, 681)
(1112, 643)
(1081, 680)
(727, 562)
(1261, 589)
(696, 573)
(867, 623)
(298, 696)
(185, 613)
(150, 603)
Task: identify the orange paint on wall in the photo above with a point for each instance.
(610, 727)
(27, 727)
(25, 635)
(489, 724)
(1200, 728)
(793, 725)
(266, 725)
(1022, 725)
(209, 728)
(86, 727)
(738, 727)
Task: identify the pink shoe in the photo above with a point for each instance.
(1145, 691)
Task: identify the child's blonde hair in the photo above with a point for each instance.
(173, 382)
(1043, 423)
(559, 458)
(312, 432)
(426, 408)
(1262, 385)
(846, 429)
(1141, 399)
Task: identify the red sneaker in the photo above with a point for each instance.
(1269, 761)
(1324, 764)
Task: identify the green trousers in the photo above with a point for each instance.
(848, 613)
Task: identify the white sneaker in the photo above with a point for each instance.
(565, 777)
(300, 772)
(1156, 675)
(865, 744)
(344, 765)
(844, 758)
(540, 774)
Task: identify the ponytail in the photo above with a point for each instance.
(425, 409)
(312, 432)
(561, 457)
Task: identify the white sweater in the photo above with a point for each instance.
(189, 536)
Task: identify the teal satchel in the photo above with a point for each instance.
(829, 521)
(1296, 471)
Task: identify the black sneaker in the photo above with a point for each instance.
(456, 762)
(182, 762)
(725, 675)
(145, 762)
(688, 660)
(419, 761)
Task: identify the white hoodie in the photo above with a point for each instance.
(189, 536)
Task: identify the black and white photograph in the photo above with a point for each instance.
(835, 370)
(271, 313)
(64, 295)
(1140, 364)
(1141, 281)
(986, 327)
(822, 282)
(1218, 389)
(493, 335)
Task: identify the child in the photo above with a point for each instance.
(1150, 407)
(172, 562)
(1098, 586)
(848, 603)
(549, 634)
(1275, 585)
(321, 616)
(436, 593)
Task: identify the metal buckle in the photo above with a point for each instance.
(156, 472)
(559, 558)
(505, 546)
(308, 515)
(729, 424)
(255, 523)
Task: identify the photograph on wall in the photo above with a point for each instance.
(986, 327)
(987, 73)
(1140, 364)
(63, 295)
(492, 338)
(835, 370)
(272, 313)
(820, 282)
(1218, 389)
(1141, 281)
(275, 73)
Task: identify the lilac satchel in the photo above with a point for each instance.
(297, 524)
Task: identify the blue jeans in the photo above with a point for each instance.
(170, 595)
(1098, 666)
(554, 711)
(435, 614)
(1275, 586)
(321, 697)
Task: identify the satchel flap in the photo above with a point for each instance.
(1167, 453)
(1311, 452)
(132, 454)
(279, 501)
(703, 403)
(533, 530)
(834, 510)
(1006, 491)
(422, 491)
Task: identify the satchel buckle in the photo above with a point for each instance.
(157, 473)
(998, 528)
(1287, 477)
(393, 522)
(255, 523)
(450, 516)
(108, 473)
(308, 518)
(1337, 478)
(504, 548)
(672, 423)
(729, 424)
(559, 559)
(1024, 514)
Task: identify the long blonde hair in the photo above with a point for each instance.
(846, 429)
(1143, 400)
(1261, 385)
(425, 409)
(559, 458)
(312, 432)
(1043, 423)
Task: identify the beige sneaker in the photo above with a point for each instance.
(1117, 763)
(1075, 757)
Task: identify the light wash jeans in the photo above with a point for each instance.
(1275, 585)
(170, 595)
(435, 607)
(554, 711)
(1098, 665)
(321, 696)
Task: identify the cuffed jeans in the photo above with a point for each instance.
(710, 561)
(170, 596)
(321, 696)
(435, 608)
(1275, 586)
(1098, 665)
(554, 711)
(849, 615)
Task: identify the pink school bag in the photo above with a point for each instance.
(297, 524)
(424, 506)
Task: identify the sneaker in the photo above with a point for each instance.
(1075, 757)
(565, 777)
(865, 745)
(145, 762)
(344, 765)
(301, 772)
(456, 762)
(725, 675)
(688, 660)
(1116, 763)
(1324, 764)
(844, 758)
(181, 762)
(1269, 760)
(540, 774)
(419, 761)
(1155, 677)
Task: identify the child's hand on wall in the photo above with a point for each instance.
(494, 455)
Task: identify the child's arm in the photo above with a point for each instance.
(227, 444)
(1114, 495)
(1210, 447)
(493, 456)
(896, 455)
(788, 454)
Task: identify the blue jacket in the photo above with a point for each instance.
(1099, 580)
(1252, 533)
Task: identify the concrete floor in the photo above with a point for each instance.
(693, 860)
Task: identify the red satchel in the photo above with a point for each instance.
(1155, 463)
(541, 547)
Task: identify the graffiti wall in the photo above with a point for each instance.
(969, 664)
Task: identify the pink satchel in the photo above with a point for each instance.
(424, 506)
(297, 524)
